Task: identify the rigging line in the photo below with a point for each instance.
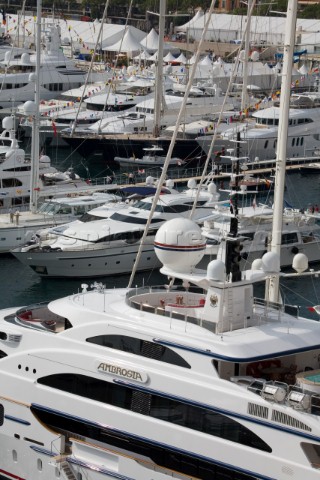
(90, 67)
(232, 76)
(297, 294)
(175, 133)
(115, 66)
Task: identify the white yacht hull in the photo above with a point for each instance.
(89, 263)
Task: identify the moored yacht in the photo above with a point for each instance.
(192, 379)
(257, 136)
(57, 73)
(106, 240)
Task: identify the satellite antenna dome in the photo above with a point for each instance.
(255, 56)
(149, 180)
(271, 262)
(8, 123)
(300, 262)
(242, 56)
(192, 183)
(25, 59)
(29, 108)
(179, 244)
(45, 159)
(212, 188)
(32, 77)
(216, 270)
(256, 264)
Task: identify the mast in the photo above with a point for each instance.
(34, 192)
(159, 71)
(281, 153)
(244, 97)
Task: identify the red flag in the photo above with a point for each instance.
(54, 128)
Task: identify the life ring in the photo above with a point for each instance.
(295, 250)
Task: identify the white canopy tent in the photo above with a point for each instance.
(151, 41)
(169, 58)
(181, 59)
(128, 44)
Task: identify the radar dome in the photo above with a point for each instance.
(216, 270)
(8, 123)
(149, 180)
(170, 183)
(45, 159)
(242, 55)
(212, 188)
(32, 77)
(25, 59)
(192, 183)
(179, 244)
(255, 56)
(29, 108)
(271, 262)
(256, 264)
(300, 262)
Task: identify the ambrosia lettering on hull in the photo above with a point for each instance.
(122, 371)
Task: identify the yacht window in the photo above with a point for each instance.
(1, 415)
(129, 237)
(11, 182)
(179, 412)
(266, 144)
(190, 465)
(293, 142)
(288, 238)
(130, 219)
(298, 141)
(137, 346)
(302, 141)
(88, 217)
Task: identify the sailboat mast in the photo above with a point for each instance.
(159, 71)
(281, 153)
(34, 193)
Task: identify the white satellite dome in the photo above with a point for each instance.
(271, 262)
(179, 244)
(300, 262)
(216, 270)
(255, 56)
(29, 107)
(256, 264)
(212, 188)
(192, 183)
(8, 123)
(25, 59)
(170, 183)
(149, 180)
(32, 77)
(45, 159)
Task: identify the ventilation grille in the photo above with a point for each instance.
(140, 402)
(258, 410)
(14, 338)
(285, 419)
(151, 350)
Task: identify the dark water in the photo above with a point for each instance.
(20, 286)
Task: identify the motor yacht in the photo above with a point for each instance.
(195, 378)
(106, 240)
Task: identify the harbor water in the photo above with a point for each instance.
(21, 286)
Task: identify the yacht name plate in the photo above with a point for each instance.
(123, 371)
